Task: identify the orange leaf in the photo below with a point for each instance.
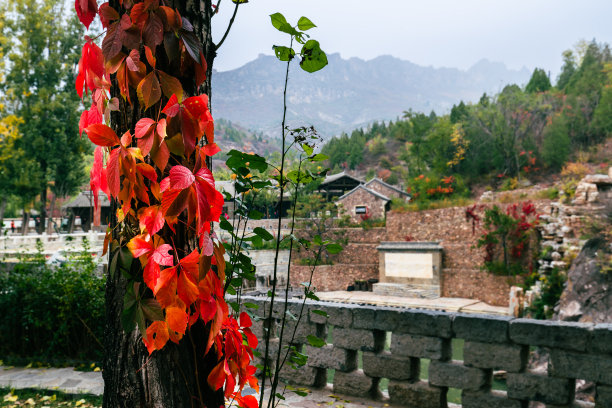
(157, 336)
(102, 135)
(170, 86)
(187, 288)
(216, 378)
(177, 319)
(149, 91)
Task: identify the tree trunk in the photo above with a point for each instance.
(3, 203)
(175, 377)
(40, 228)
(51, 211)
(24, 222)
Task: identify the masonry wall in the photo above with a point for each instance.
(462, 275)
(578, 351)
(382, 189)
(357, 261)
(376, 205)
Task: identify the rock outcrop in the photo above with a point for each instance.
(588, 295)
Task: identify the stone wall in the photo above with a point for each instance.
(462, 275)
(357, 261)
(577, 351)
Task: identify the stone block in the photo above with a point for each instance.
(508, 357)
(488, 399)
(375, 318)
(420, 346)
(601, 339)
(425, 323)
(590, 367)
(603, 396)
(481, 328)
(548, 333)
(260, 327)
(358, 339)
(387, 365)
(303, 329)
(527, 386)
(305, 375)
(355, 383)
(272, 349)
(331, 357)
(416, 395)
(337, 314)
(456, 375)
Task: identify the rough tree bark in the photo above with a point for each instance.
(174, 377)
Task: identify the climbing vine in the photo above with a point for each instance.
(157, 175)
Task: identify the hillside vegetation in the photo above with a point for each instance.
(519, 134)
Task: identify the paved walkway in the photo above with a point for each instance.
(442, 304)
(78, 382)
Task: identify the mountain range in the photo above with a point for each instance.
(349, 93)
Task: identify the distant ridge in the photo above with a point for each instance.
(349, 93)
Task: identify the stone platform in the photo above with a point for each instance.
(435, 303)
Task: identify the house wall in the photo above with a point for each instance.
(382, 189)
(375, 205)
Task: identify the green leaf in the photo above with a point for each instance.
(334, 248)
(283, 53)
(240, 1)
(152, 309)
(318, 157)
(265, 235)
(251, 305)
(313, 57)
(234, 306)
(304, 24)
(300, 393)
(310, 295)
(317, 240)
(307, 149)
(255, 215)
(128, 319)
(225, 224)
(278, 20)
(280, 23)
(315, 341)
(320, 313)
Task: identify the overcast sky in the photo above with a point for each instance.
(442, 33)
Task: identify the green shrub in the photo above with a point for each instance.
(551, 290)
(52, 314)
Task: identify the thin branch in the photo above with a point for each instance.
(229, 26)
(280, 208)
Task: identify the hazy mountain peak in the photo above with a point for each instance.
(349, 93)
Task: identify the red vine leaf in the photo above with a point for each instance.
(113, 41)
(86, 11)
(151, 218)
(181, 177)
(107, 14)
(153, 32)
(91, 68)
(172, 107)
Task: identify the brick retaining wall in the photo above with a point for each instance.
(577, 351)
